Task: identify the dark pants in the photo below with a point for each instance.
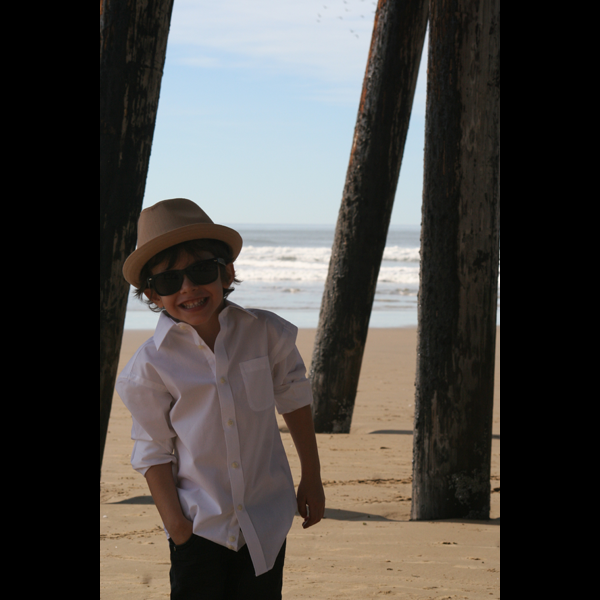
(203, 570)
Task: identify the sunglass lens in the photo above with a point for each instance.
(200, 273)
(203, 273)
(169, 283)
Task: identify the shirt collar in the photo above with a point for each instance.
(166, 323)
(233, 305)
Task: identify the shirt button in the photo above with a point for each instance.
(240, 507)
(223, 380)
(235, 465)
(231, 422)
(232, 538)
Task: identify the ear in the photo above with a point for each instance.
(154, 298)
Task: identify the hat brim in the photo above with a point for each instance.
(135, 263)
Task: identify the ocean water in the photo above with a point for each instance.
(283, 268)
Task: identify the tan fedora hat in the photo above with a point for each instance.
(170, 223)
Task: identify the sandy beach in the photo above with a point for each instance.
(366, 547)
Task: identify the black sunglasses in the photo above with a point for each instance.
(202, 272)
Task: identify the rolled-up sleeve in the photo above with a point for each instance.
(290, 384)
(149, 404)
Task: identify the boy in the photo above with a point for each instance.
(202, 394)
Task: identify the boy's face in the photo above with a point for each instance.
(196, 305)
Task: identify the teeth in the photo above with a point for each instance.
(195, 304)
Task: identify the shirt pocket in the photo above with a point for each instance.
(258, 382)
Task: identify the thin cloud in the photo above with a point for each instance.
(275, 34)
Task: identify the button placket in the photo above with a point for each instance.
(230, 426)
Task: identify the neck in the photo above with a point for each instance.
(209, 334)
(210, 331)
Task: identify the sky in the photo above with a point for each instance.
(258, 107)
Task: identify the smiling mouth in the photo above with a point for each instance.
(195, 303)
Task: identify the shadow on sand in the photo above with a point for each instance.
(407, 432)
(336, 514)
(137, 500)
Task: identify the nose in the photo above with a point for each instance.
(188, 284)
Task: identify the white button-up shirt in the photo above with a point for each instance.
(213, 417)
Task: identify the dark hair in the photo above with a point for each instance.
(171, 255)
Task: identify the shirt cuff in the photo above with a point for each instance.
(293, 397)
(151, 454)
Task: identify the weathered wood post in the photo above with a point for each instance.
(459, 268)
(364, 219)
(133, 45)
